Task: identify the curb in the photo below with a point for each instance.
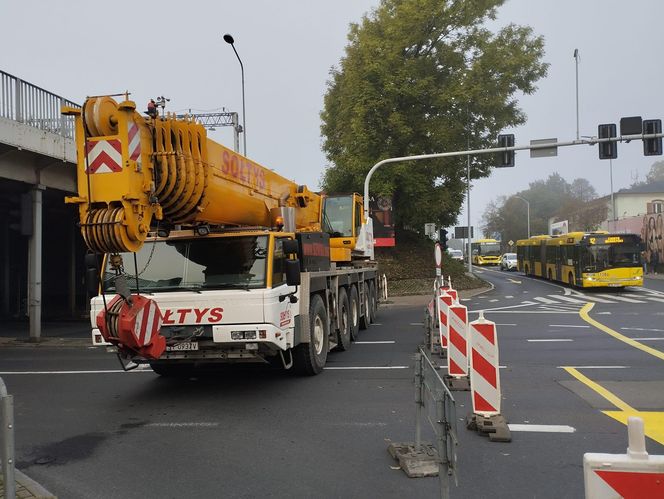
(33, 487)
(27, 488)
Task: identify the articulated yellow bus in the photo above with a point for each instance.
(585, 260)
(485, 252)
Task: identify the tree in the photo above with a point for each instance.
(418, 77)
(656, 174)
(554, 197)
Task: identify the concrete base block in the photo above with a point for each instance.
(457, 384)
(493, 426)
(416, 463)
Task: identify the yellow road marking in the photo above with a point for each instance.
(586, 317)
(653, 421)
(600, 390)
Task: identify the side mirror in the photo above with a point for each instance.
(292, 272)
(291, 246)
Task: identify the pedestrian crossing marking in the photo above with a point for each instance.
(622, 298)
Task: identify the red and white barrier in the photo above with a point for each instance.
(484, 373)
(633, 475)
(445, 301)
(457, 351)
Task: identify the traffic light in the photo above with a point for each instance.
(607, 150)
(442, 239)
(652, 147)
(505, 158)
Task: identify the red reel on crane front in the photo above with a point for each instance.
(133, 326)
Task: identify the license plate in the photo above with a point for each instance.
(180, 347)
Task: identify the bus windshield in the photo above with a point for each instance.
(605, 256)
(489, 249)
(192, 264)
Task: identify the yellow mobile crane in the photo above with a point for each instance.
(232, 262)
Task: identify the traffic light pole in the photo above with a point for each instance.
(476, 152)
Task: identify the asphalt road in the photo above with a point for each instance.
(84, 429)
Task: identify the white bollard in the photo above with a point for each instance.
(484, 372)
(633, 475)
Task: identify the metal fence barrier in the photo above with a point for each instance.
(435, 402)
(27, 103)
(7, 435)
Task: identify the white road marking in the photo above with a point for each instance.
(622, 298)
(569, 299)
(649, 339)
(603, 313)
(509, 296)
(592, 298)
(642, 329)
(514, 281)
(567, 325)
(102, 371)
(363, 368)
(374, 342)
(493, 301)
(595, 367)
(417, 323)
(542, 428)
(552, 339)
(505, 325)
(653, 298)
(544, 300)
(376, 323)
(181, 425)
(497, 311)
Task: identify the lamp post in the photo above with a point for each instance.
(527, 211)
(229, 39)
(576, 62)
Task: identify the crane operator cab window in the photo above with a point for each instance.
(338, 216)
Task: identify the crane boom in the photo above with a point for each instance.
(133, 171)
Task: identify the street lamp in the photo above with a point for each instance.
(527, 211)
(229, 39)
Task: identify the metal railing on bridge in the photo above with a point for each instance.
(29, 104)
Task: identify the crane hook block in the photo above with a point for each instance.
(133, 326)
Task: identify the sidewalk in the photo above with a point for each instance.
(16, 334)
(654, 276)
(26, 488)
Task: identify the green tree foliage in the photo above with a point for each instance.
(554, 197)
(419, 77)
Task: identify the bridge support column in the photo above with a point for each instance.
(35, 265)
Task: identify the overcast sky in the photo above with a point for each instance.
(175, 49)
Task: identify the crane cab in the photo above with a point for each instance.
(343, 219)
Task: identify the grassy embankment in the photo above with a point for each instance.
(411, 269)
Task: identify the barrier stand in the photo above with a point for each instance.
(485, 382)
(435, 403)
(7, 434)
(457, 353)
(634, 475)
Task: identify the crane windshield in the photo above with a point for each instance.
(338, 216)
(193, 264)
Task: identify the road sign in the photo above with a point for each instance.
(510, 242)
(438, 254)
(546, 152)
(461, 232)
